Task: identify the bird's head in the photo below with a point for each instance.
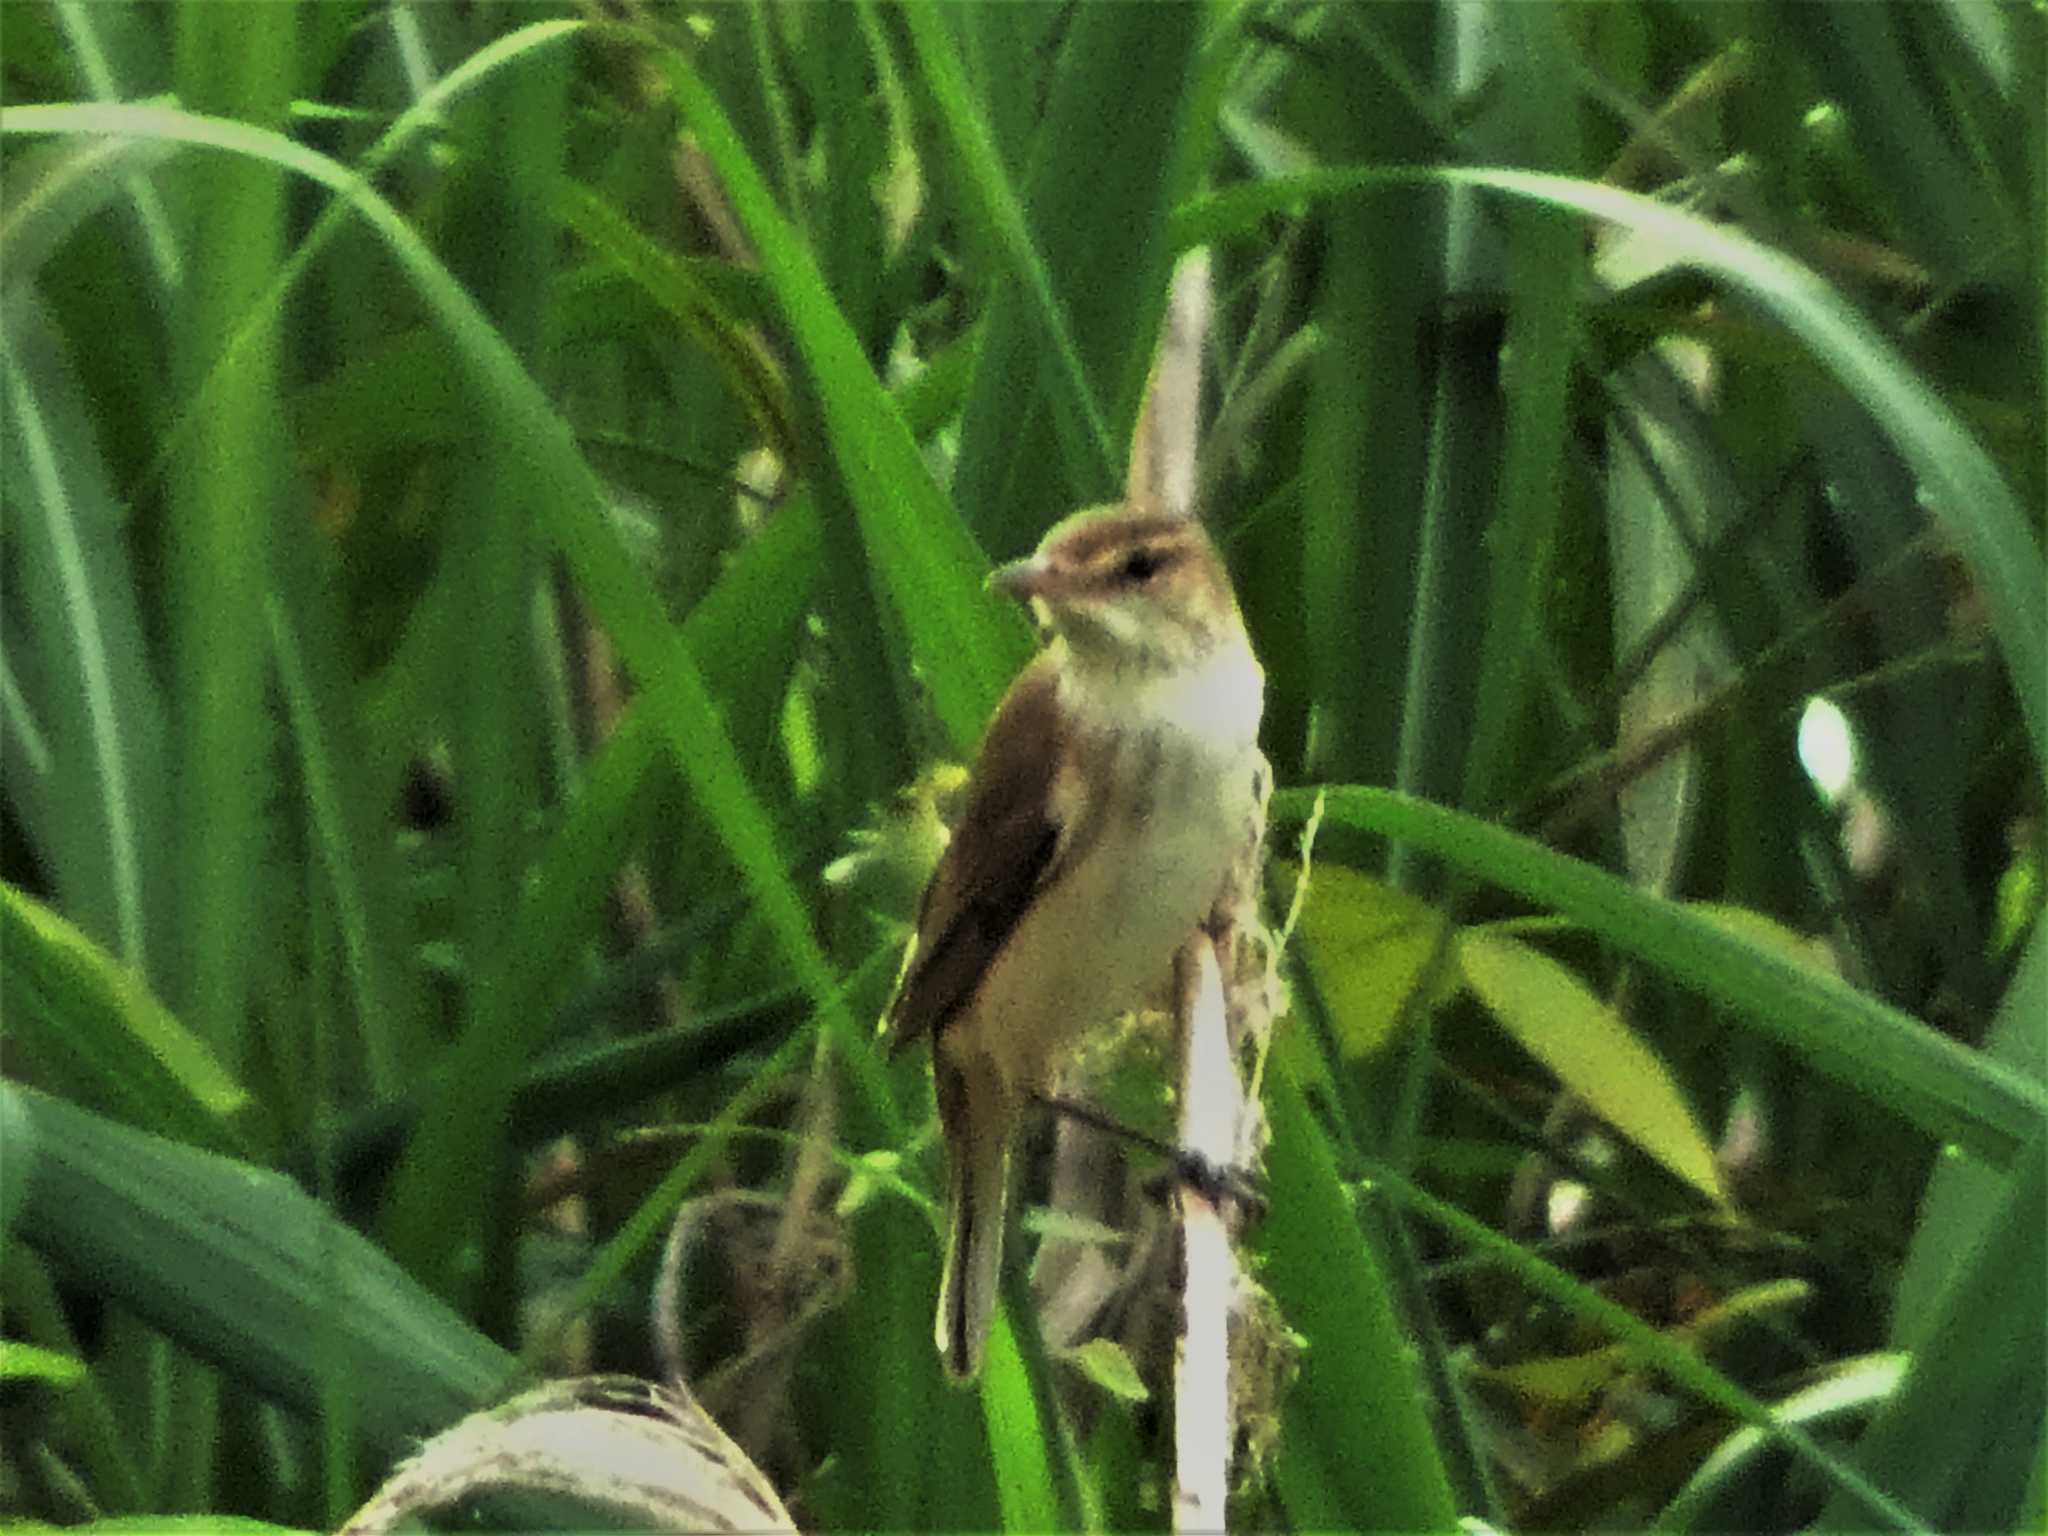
(1129, 589)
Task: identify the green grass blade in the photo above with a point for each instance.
(1948, 1091)
(707, 317)
(1365, 420)
(1018, 1439)
(1958, 1441)
(994, 205)
(1360, 1447)
(1538, 352)
(927, 561)
(85, 732)
(228, 485)
(89, 30)
(242, 1268)
(563, 898)
(303, 617)
(1974, 1329)
(1099, 179)
(1869, 70)
(106, 1451)
(92, 1026)
(1964, 490)
(536, 437)
(498, 236)
(1674, 1359)
(65, 185)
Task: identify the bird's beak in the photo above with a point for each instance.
(1022, 579)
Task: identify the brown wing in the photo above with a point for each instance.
(1003, 854)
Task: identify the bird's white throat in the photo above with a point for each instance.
(1216, 700)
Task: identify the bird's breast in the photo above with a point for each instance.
(1160, 814)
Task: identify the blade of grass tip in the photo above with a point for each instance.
(1926, 1078)
(1963, 488)
(965, 647)
(100, 1037)
(1908, 141)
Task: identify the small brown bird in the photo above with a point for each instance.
(1116, 785)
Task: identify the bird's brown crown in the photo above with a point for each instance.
(1128, 585)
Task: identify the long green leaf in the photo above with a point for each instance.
(228, 483)
(1674, 1359)
(995, 205)
(1103, 158)
(532, 434)
(1546, 278)
(498, 240)
(1951, 1092)
(303, 616)
(241, 1267)
(1964, 489)
(966, 648)
(1358, 1451)
(85, 736)
(96, 1031)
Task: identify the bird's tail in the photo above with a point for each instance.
(978, 1121)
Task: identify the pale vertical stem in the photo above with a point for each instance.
(1163, 449)
(1212, 1103)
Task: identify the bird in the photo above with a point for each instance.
(1114, 789)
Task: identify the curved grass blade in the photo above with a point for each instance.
(1961, 484)
(534, 433)
(996, 206)
(95, 796)
(97, 1032)
(965, 648)
(1950, 1092)
(571, 504)
(1675, 1360)
(243, 1268)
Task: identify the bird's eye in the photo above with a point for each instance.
(1141, 564)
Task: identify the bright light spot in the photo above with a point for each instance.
(1826, 749)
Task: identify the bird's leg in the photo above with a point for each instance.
(1183, 1166)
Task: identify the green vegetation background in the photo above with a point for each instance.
(496, 495)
